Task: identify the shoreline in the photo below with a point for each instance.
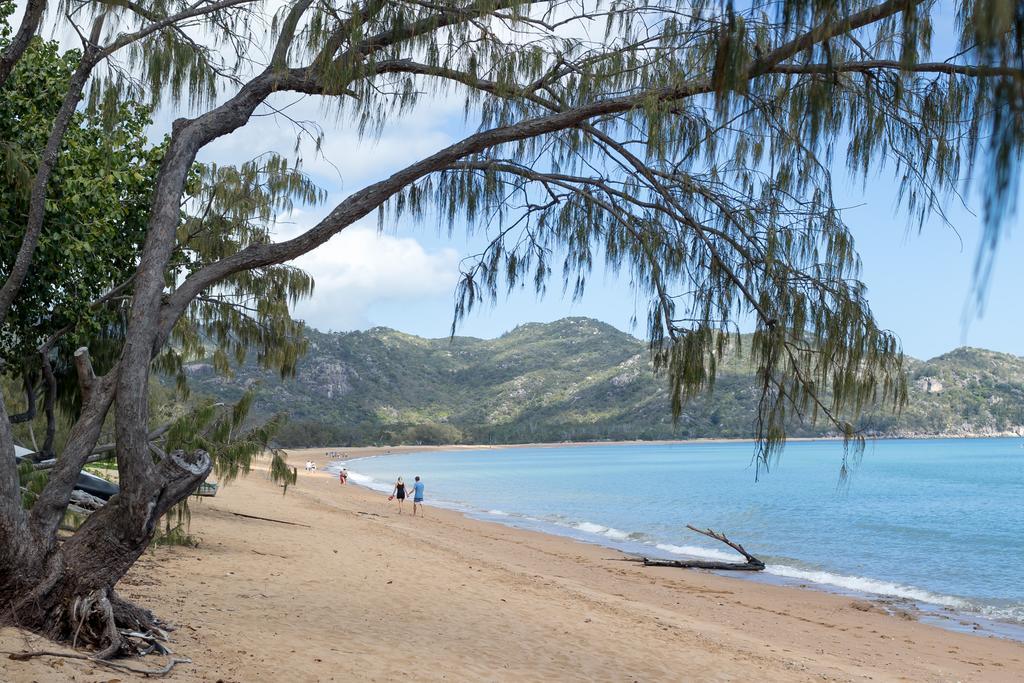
(920, 613)
(348, 590)
(939, 615)
(367, 451)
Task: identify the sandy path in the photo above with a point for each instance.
(363, 594)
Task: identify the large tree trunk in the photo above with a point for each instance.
(67, 592)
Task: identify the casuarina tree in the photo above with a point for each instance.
(689, 145)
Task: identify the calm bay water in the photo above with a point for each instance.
(933, 521)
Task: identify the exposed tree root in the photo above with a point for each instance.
(115, 627)
(131, 616)
(116, 666)
(93, 620)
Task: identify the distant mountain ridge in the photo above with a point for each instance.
(574, 379)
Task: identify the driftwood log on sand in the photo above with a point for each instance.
(751, 565)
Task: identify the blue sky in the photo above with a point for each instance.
(919, 282)
(919, 286)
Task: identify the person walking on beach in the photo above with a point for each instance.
(343, 476)
(399, 493)
(417, 497)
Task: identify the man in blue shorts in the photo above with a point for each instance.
(417, 497)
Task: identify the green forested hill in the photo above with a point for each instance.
(574, 379)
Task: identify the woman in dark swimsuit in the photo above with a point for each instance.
(399, 493)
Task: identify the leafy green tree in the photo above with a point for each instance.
(98, 204)
(98, 201)
(79, 284)
(690, 144)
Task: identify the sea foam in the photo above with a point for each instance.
(600, 530)
(861, 584)
(370, 482)
(698, 552)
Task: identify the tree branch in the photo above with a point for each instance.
(947, 68)
(198, 9)
(86, 376)
(49, 507)
(37, 198)
(830, 29)
(29, 25)
(284, 42)
(361, 203)
(50, 399)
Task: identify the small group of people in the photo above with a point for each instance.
(400, 493)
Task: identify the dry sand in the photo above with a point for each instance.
(360, 593)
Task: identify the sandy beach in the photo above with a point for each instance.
(351, 591)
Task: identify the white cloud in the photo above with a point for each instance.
(360, 269)
(345, 161)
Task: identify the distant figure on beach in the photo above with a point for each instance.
(399, 493)
(417, 497)
(343, 476)
(310, 466)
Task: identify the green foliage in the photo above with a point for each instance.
(177, 535)
(995, 31)
(32, 483)
(691, 146)
(230, 209)
(96, 208)
(226, 433)
(281, 473)
(221, 431)
(718, 208)
(80, 283)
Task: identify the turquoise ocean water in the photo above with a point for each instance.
(935, 522)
